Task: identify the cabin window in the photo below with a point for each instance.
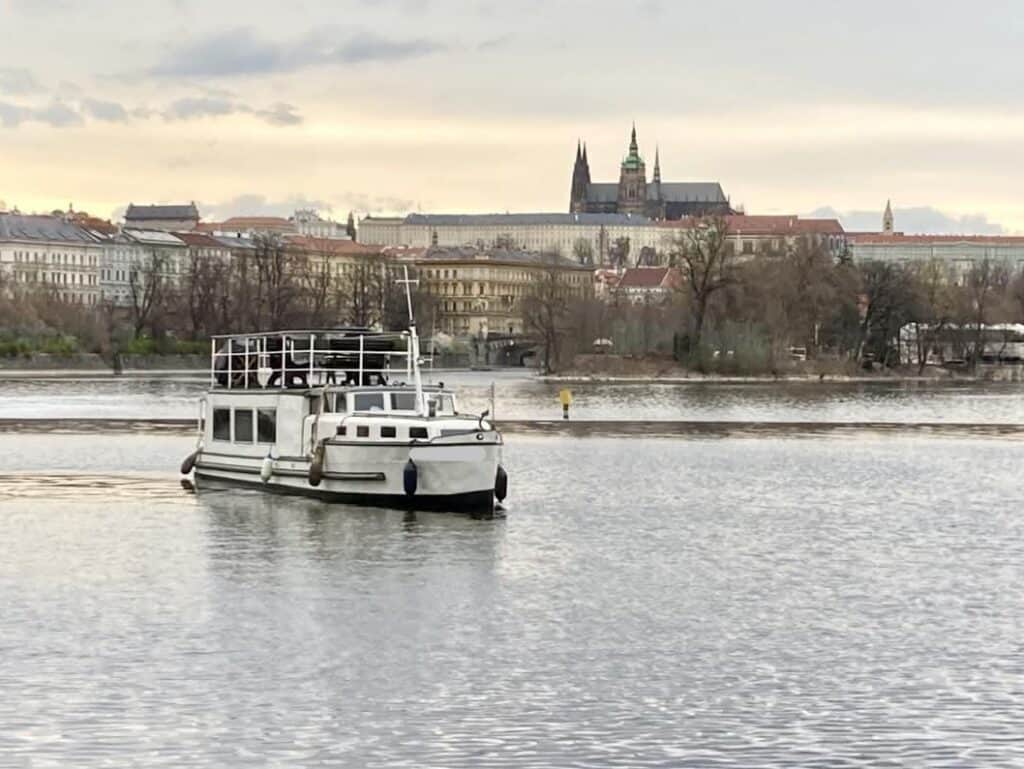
(417, 432)
(222, 424)
(388, 431)
(266, 426)
(342, 430)
(243, 425)
(368, 402)
(403, 401)
(362, 431)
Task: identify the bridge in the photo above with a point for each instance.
(504, 349)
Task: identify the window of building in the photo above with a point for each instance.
(748, 246)
(266, 426)
(243, 425)
(222, 424)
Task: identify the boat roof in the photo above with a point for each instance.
(349, 331)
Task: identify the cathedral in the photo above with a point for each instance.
(633, 194)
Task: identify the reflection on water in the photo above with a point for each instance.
(520, 396)
(723, 602)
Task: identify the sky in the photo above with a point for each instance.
(391, 106)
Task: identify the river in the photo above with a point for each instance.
(739, 601)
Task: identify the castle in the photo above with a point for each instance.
(633, 194)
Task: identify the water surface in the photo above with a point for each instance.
(728, 602)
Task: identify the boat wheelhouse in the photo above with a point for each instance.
(343, 414)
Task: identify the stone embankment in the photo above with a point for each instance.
(93, 362)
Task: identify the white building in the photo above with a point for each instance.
(309, 223)
(49, 253)
(959, 252)
(567, 234)
(597, 236)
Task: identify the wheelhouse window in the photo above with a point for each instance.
(222, 424)
(243, 425)
(368, 401)
(266, 426)
(403, 401)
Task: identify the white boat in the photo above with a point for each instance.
(321, 413)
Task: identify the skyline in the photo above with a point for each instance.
(438, 106)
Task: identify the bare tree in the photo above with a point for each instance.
(583, 251)
(546, 309)
(933, 308)
(983, 287)
(707, 267)
(147, 288)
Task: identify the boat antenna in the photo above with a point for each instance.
(414, 340)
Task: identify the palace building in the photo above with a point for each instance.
(633, 194)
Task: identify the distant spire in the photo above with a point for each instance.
(584, 152)
(887, 218)
(579, 153)
(633, 149)
(657, 166)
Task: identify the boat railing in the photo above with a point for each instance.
(307, 359)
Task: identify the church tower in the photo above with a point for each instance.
(632, 181)
(887, 219)
(580, 181)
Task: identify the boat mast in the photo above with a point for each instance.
(414, 342)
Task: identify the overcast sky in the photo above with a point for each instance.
(437, 105)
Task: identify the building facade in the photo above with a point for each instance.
(309, 223)
(479, 292)
(959, 252)
(633, 194)
(50, 253)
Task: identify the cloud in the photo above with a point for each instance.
(109, 111)
(195, 107)
(56, 114)
(17, 80)
(238, 52)
(279, 114)
(915, 220)
(199, 107)
(252, 204)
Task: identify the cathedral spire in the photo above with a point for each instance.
(633, 149)
(887, 218)
(657, 166)
(579, 153)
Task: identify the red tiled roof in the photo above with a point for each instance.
(770, 225)
(646, 277)
(333, 246)
(241, 222)
(886, 239)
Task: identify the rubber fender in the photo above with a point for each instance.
(316, 467)
(190, 462)
(410, 477)
(501, 484)
(267, 468)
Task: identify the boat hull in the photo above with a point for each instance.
(475, 502)
(450, 475)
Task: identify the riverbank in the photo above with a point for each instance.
(96, 363)
(614, 369)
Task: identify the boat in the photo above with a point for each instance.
(323, 413)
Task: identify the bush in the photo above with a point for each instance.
(12, 348)
(60, 345)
